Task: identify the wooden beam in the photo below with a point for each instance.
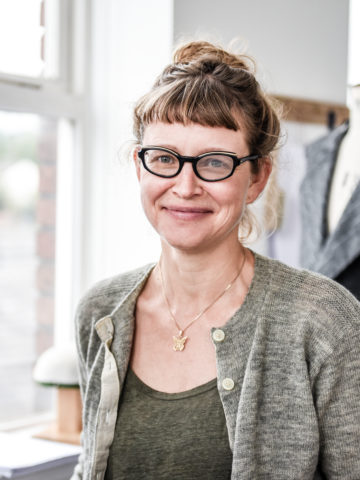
(310, 111)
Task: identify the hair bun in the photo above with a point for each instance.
(205, 51)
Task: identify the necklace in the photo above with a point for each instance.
(179, 339)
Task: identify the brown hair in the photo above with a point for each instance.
(210, 86)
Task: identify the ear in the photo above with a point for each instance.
(259, 180)
(136, 161)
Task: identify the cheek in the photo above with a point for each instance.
(147, 194)
(151, 188)
(234, 196)
(147, 199)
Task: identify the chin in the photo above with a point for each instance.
(187, 244)
(191, 244)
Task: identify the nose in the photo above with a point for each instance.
(187, 184)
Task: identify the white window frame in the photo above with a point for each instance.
(66, 99)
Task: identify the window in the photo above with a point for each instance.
(27, 247)
(41, 134)
(21, 37)
(30, 38)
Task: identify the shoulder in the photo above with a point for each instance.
(104, 297)
(121, 283)
(310, 301)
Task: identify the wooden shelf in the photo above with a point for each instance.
(310, 111)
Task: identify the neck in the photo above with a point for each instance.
(193, 279)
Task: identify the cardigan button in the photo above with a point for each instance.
(228, 383)
(218, 335)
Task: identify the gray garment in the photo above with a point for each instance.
(292, 352)
(169, 436)
(321, 252)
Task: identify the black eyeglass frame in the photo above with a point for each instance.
(193, 160)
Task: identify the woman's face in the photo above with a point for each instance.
(189, 213)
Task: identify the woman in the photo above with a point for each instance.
(216, 362)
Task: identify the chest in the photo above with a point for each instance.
(153, 429)
(176, 354)
(170, 363)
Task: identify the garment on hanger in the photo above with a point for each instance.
(335, 254)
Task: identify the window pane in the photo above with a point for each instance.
(28, 37)
(27, 241)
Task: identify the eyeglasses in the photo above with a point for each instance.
(211, 166)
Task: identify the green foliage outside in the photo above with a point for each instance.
(17, 146)
(14, 148)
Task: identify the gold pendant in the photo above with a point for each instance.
(179, 342)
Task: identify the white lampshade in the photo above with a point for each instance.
(57, 366)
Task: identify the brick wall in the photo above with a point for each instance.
(45, 242)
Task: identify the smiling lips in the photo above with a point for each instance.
(187, 213)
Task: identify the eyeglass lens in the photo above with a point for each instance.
(209, 167)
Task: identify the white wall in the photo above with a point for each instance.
(300, 45)
(130, 44)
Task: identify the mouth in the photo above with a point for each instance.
(187, 213)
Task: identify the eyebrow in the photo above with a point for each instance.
(208, 150)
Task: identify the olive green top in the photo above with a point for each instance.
(177, 436)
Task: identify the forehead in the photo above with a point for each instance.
(194, 139)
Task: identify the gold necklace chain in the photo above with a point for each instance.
(179, 340)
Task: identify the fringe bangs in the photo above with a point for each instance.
(197, 102)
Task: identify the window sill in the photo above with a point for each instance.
(29, 424)
(22, 456)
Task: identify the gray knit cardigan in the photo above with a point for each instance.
(292, 352)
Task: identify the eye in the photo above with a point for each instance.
(165, 159)
(161, 162)
(216, 162)
(159, 157)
